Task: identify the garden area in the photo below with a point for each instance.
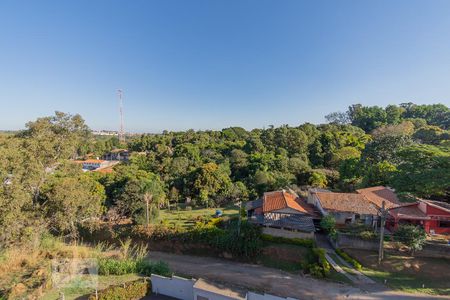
(406, 273)
(53, 268)
(186, 217)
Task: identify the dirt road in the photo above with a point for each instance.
(273, 281)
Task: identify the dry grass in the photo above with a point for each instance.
(28, 268)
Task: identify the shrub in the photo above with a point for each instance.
(110, 266)
(129, 291)
(316, 270)
(148, 268)
(412, 236)
(328, 223)
(349, 259)
(293, 241)
(367, 235)
(323, 263)
(317, 264)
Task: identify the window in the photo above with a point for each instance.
(201, 298)
(444, 224)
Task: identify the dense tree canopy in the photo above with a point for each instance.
(405, 146)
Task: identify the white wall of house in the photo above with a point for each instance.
(176, 287)
(287, 233)
(255, 296)
(200, 294)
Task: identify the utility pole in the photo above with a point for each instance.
(383, 213)
(121, 128)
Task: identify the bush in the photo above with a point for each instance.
(367, 235)
(412, 236)
(316, 270)
(110, 266)
(328, 223)
(129, 291)
(349, 259)
(323, 263)
(317, 264)
(282, 240)
(148, 268)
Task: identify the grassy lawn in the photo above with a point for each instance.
(74, 289)
(188, 218)
(409, 274)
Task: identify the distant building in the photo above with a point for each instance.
(93, 164)
(117, 154)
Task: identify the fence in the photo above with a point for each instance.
(190, 289)
(176, 287)
(255, 296)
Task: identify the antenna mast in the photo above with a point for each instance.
(121, 129)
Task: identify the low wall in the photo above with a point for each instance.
(353, 242)
(255, 296)
(176, 287)
(203, 294)
(287, 233)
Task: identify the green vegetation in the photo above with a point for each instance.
(73, 291)
(349, 259)
(412, 283)
(130, 290)
(407, 273)
(412, 236)
(44, 192)
(111, 266)
(188, 218)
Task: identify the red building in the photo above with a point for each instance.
(433, 216)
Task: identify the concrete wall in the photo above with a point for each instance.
(211, 295)
(287, 233)
(255, 296)
(177, 287)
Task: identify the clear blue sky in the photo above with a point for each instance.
(218, 63)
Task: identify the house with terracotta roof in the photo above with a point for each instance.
(93, 164)
(283, 213)
(378, 194)
(432, 216)
(346, 208)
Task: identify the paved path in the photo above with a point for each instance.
(273, 281)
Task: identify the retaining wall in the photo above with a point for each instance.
(287, 233)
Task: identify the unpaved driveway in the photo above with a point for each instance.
(273, 281)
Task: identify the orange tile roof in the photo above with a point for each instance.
(346, 202)
(93, 161)
(282, 199)
(378, 194)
